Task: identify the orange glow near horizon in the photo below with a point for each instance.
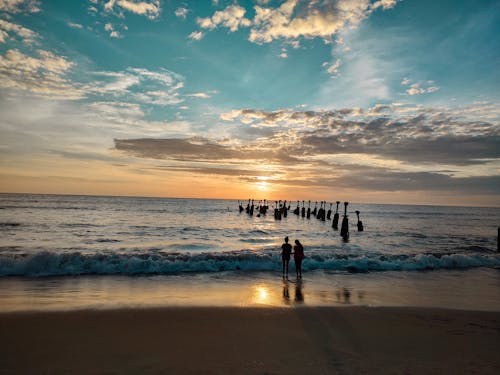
(99, 178)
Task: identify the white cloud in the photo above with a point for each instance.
(120, 83)
(45, 75)
(283, 55)
(47, 62)
(332, 68)
(201, 95)
(141, 85)
(181, 12)
(196, 35)
(113, 33)
(42, 75)
(419, 88)
(20, 6)
(406, 81)
(231, 17)
(150, 9)
(294, 43)
(7, 29)
(384, 4)
(74, 25)
(294, 19)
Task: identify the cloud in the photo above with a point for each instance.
(45, 74)
(308, 152)
(20, 6)
(294, 19)
(196, 35)
(7, 29)
(151, 9)
(181, 12)
(422, 135)
(190, 149)
(384, 4)
(416, 89)
(74, 25)
(41, 75)
(113, 33)
(419, 88)
(232, 17)
(145, 86)
(332, 68)
(200, 95)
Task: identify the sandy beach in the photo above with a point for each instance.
(309, 340)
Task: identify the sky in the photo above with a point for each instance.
(375, 101)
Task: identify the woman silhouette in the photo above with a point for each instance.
(298, 255)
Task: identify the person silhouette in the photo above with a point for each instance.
(298, 256)
(286, 250)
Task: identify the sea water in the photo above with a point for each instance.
(63, 251)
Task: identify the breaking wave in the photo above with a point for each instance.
(76, 263)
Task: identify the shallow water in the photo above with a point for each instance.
(476, 289)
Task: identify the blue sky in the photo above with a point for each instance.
(375, 101)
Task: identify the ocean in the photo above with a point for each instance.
(63, 251)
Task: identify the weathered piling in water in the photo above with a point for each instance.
(318, 215)
(329, 213)
(303, 209)
(309, 211)
(335, 222)
(360, 223)
(344, 230)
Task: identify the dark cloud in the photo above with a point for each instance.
(455, 150)
(191, 149)
(300, 147)
(199, 149)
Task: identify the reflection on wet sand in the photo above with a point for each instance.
(299, 294)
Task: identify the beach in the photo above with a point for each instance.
(221, 340)
(117, 285)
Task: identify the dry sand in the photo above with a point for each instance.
(309, 340)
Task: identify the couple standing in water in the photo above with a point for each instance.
(298, 256)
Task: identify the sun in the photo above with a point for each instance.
(262, 183)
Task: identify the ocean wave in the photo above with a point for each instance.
(76, 263)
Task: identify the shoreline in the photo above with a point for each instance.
(249, 340)
(474, 289)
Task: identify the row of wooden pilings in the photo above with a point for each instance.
(281, 211)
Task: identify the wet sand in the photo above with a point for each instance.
(224, 340)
